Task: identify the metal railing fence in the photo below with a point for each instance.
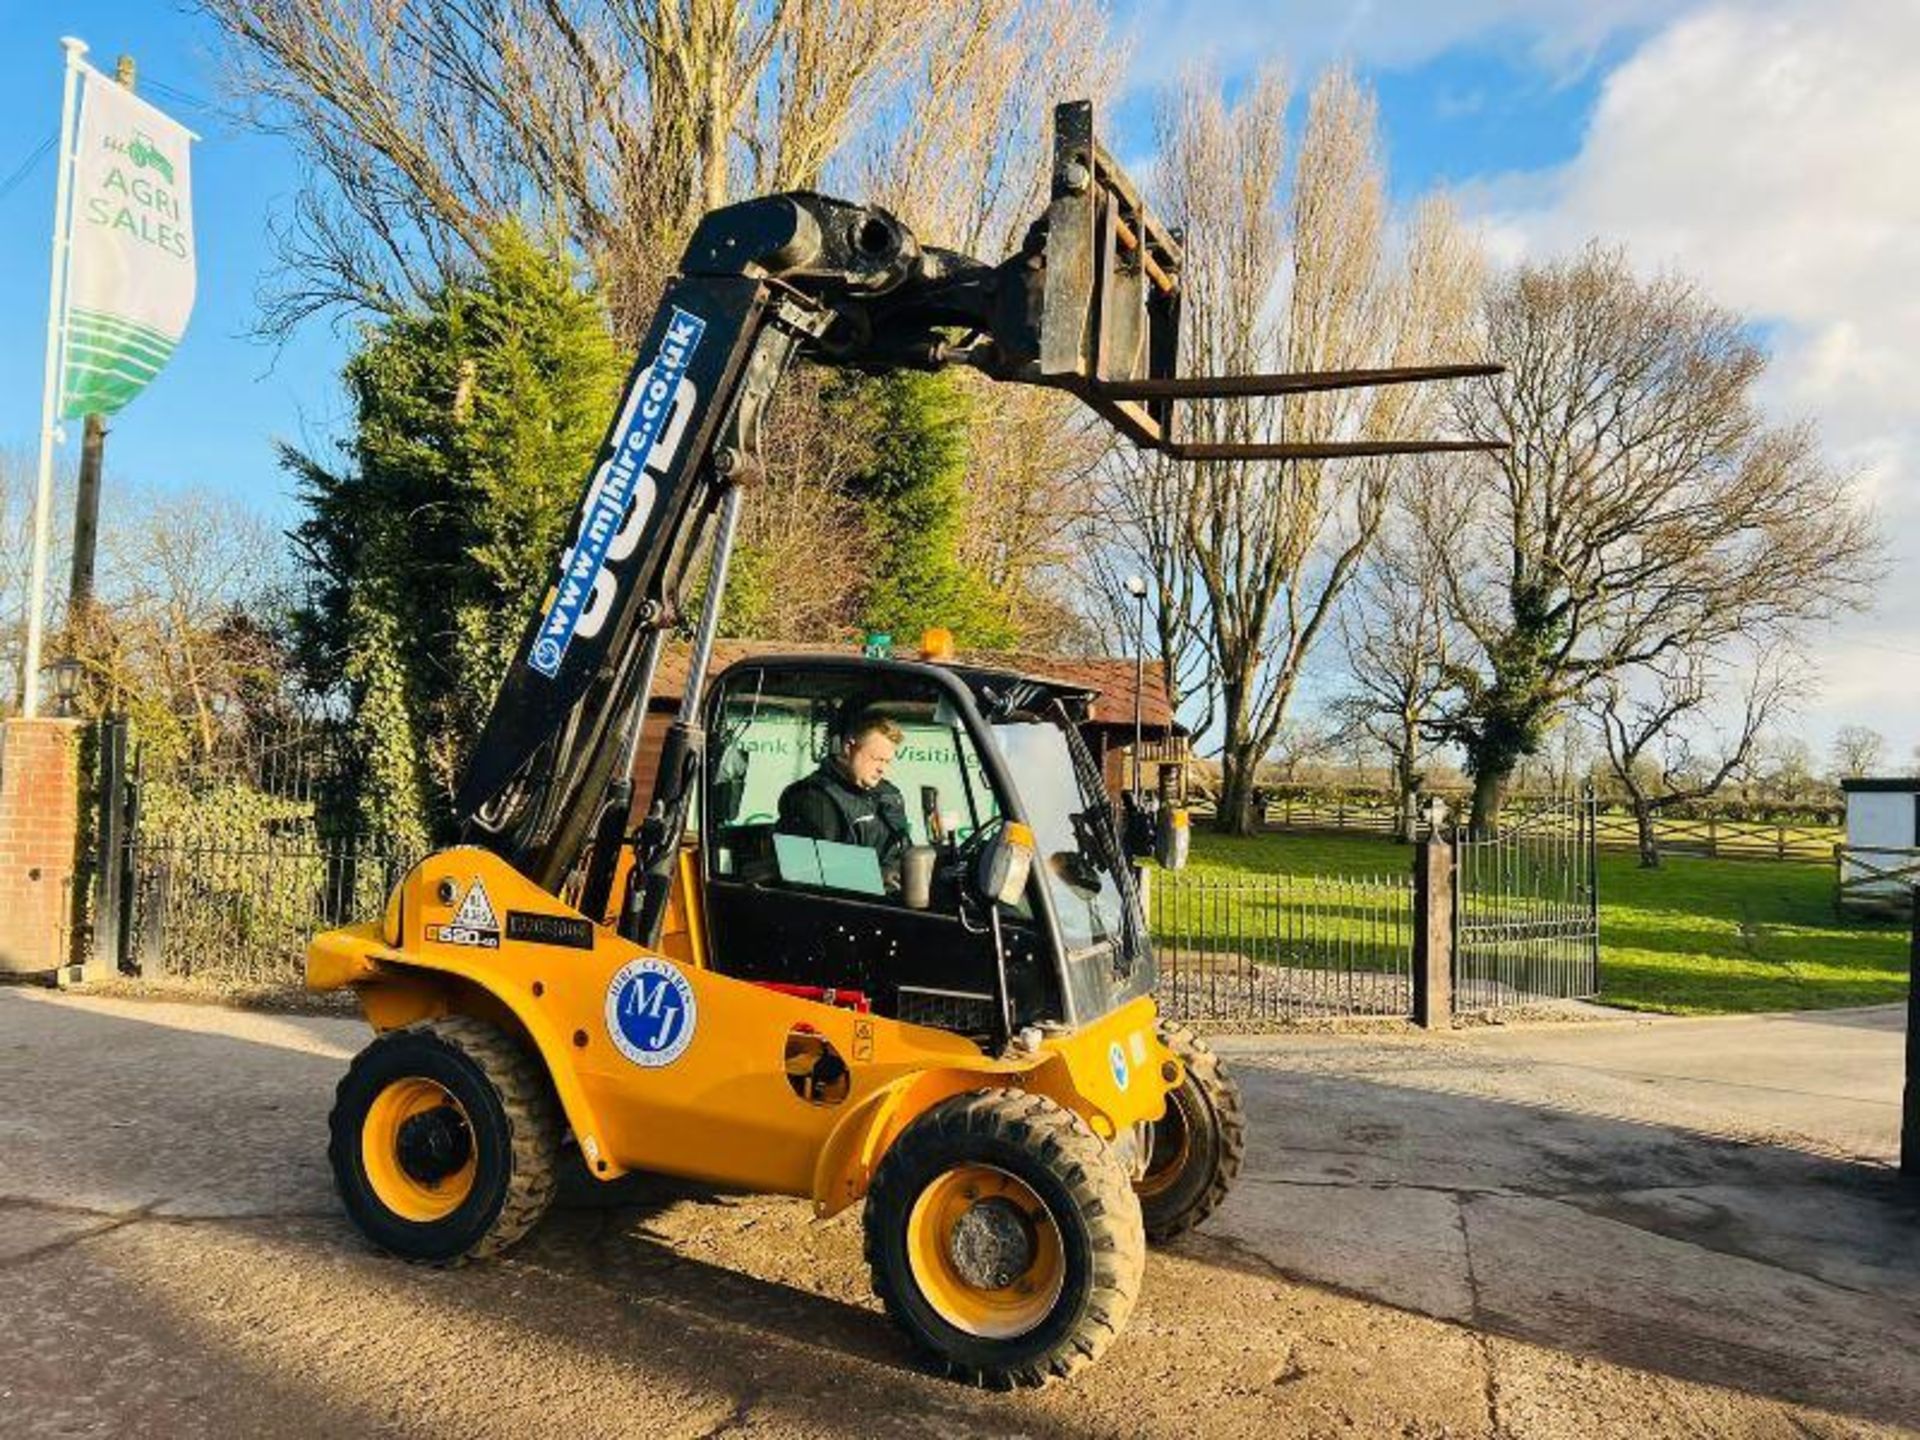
(1274, 947)
(241, 909)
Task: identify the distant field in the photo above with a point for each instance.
(1722, 838)
(1695, 937)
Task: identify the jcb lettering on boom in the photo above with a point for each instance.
(622, 493)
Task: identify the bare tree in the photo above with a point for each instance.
(960, 152)
(1359, 755)
(1858, 750)
(426, 123)
(18, 485)
(1644, 512)
(1398, 637)
(179, 630)
(1293, 277)
(1565, 759)
(617, 122)
(801, 511)
(1029, 486)
(1663, 740)
(1137, 529)
(1782, 767)
(1300, 744)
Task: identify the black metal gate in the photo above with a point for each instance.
(1526, 914)
(221, 871)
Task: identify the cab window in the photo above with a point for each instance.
(786, 808)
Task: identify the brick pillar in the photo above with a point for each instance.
(39, 843)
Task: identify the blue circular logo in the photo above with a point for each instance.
(651, 1012)
(546, 655)
(1117, 1060)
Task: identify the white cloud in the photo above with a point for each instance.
(1770, 150)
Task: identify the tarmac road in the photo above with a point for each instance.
(1623, 1228)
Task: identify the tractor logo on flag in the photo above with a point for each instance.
(145, 154)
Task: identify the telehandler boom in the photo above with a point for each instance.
(966, 1039)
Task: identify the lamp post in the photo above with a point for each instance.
(66, 686)
(1137, 588)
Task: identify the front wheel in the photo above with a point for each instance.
(1003, 1238)
(1195, 1149)
(444, 1141)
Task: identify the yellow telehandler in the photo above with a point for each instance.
(956, 1026)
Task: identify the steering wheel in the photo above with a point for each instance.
(957, 866)
(960, 864)
(968, 850)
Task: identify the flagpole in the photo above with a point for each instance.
(50, 388)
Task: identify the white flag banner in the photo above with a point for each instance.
(130, 229)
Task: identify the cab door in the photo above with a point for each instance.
(792, 911)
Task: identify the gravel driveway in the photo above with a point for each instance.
(1622, 1228)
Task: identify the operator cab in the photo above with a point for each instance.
(914, 938)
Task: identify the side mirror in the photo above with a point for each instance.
(1139, 824)
(1000, 877)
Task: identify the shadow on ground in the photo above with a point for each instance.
(1707, 1257)
(168, 1225)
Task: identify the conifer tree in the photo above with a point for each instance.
(914, 491)
(474, 421)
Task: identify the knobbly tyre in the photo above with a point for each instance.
(977, 1057)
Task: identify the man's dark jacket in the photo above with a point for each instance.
(829, 806)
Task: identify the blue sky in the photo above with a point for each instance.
(1762, 145)
(212, 417)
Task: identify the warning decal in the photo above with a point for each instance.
(474, 923)
(476, 910)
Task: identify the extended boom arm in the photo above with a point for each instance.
(1089, 304)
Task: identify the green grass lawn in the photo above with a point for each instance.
(1695, 937)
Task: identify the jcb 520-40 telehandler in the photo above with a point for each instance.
(965, 1039)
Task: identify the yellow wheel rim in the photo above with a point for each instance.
(985, 1252)
(417, 1147)
(1172, 1146)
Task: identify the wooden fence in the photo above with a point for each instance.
(1739, 839)
(1875, 878)
(1714, 836)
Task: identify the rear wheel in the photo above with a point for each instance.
(1003, 1238)
(444, 1137)
(1197, 1146)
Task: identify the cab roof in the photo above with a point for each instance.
(999, 693)
(1105, 682)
